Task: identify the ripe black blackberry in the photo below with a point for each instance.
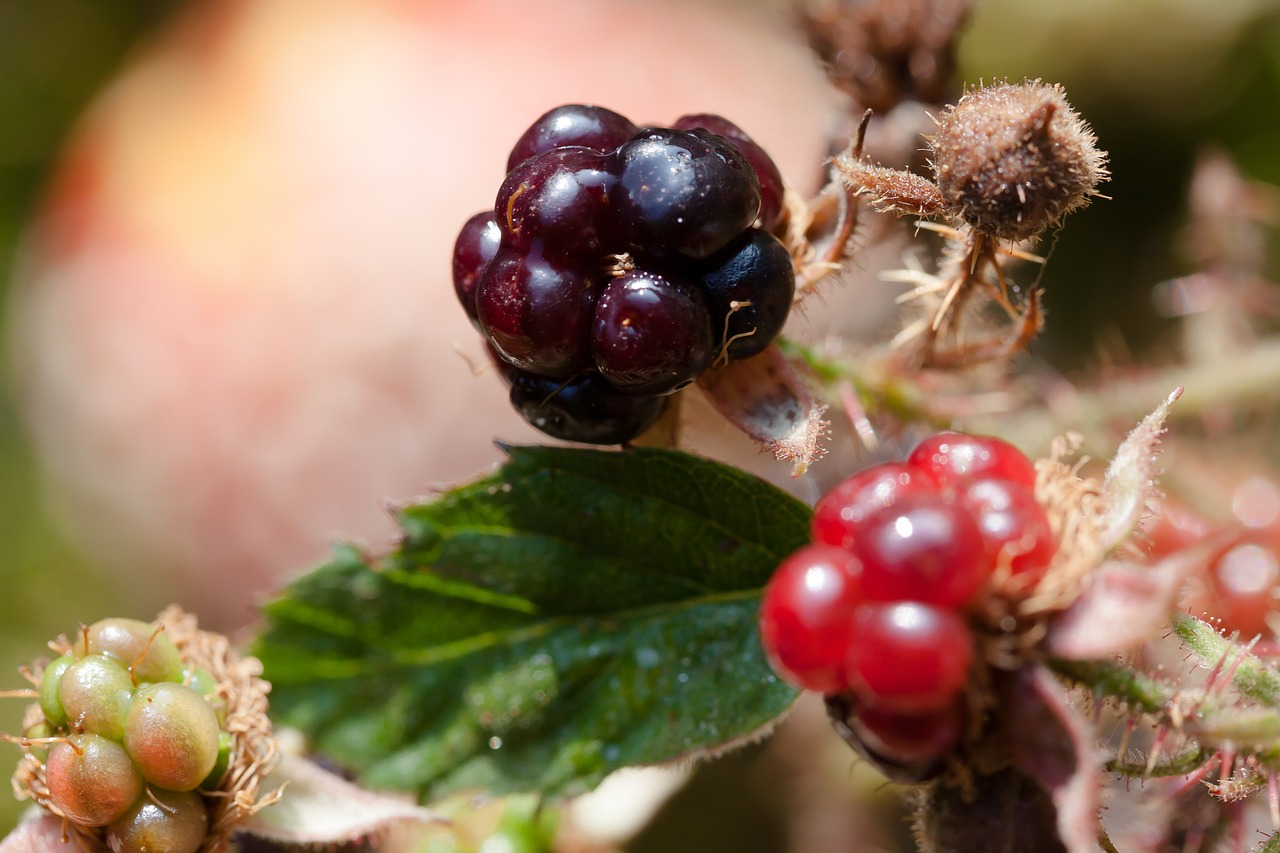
(618, 264)
(536, 313)
(476, 245)
(561, 199)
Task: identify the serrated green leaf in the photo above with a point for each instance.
(575, 612)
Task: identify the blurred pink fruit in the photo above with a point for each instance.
(235, 327)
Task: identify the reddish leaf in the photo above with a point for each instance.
(1054, 745)
(1126, 604)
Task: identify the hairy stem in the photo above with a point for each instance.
(1259, 728)
(1118, 681)
(1181, 764)
(1250, 676)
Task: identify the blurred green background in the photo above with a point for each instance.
(1156, 78)
(53, 57)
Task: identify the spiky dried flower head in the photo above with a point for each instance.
(1012, 159)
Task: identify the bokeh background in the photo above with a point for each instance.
(53, 58)
(1158, 79)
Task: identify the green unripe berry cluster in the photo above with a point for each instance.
(134, 733)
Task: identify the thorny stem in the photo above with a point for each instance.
(1104, 841)
(1180, 765)
(881, 393)
(1254, 726)
(1252, 729)
(1252, 679)
(1109, 678)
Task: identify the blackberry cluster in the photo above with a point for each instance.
(872, 613)
(620, 262)
(132, 734)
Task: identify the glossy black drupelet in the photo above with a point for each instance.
(560, 198)
(749, 286)
(682, 193)
(651, 334)
(572, 125)
(586, 409)
(537, 314)
(770, 179)
(476, 245)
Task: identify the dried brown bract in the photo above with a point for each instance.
(886, 52)
(1009, 161)
(1012, 159)
(893, 190)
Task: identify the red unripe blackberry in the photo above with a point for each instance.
(911, 738)
(839, 514)
(1173, 525)
(922, 548)
(953, 458)
(1242, 585)
(1014, 526)
(908, 657)
(806, 617)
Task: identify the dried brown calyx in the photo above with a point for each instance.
(1012, 159)
(1009, 161)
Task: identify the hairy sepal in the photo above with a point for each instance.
(1126, 604)
(1130, 478)
(765, 398)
